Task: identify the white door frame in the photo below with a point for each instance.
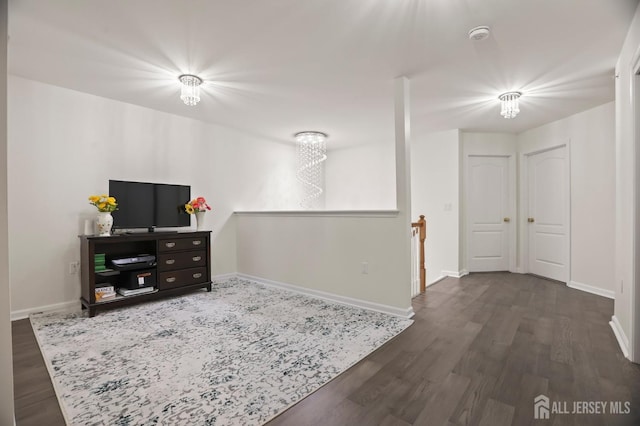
(512, 207)
(524, 201)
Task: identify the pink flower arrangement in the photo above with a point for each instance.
(197, 205)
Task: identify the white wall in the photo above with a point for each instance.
(435, 186)
(497, 144)
(324, 252)
(592, 146)
(65, 145)
(489, 143)
(6, 364)
(361, 177)
(627, 222)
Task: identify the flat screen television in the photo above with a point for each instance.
(149, 205)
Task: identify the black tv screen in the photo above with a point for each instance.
(148, 205)
(170, 201)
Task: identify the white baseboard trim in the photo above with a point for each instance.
(391, 310)
(436, 281)
(24, 313)
(344, 300)
(591, 289)
(622, 339)
(223, 277)
(455, 274)
(518, 271)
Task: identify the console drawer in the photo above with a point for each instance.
(174, 244)
(181, 260)
(173, 279)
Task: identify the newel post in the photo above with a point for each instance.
(423, 236)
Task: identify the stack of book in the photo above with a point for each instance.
(126, 292)
(105, 292)
(99, 262)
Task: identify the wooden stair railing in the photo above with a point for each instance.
(421, 227)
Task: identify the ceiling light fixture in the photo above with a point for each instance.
(510, 106)
(312, 153)
(190, 93)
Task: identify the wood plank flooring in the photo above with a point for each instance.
(35, 399)
(481, 348)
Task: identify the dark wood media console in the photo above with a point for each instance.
(183, 264)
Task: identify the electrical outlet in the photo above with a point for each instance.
(74, 267)
(365, 267)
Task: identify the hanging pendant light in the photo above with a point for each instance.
(312, 153)
(510, 106)
(190, 93)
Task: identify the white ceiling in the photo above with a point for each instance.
(275, 67)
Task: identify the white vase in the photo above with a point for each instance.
(199, 221)
(104, 222)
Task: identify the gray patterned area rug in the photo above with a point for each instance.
(239, 355)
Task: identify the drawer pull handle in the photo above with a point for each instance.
(171, 279)
(196, 258)
(198, 275)
(170, 261)
(196, 242)
(170, 245)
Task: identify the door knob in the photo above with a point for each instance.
(506, 219)
(530, 220)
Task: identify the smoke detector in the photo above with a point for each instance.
(479, 33)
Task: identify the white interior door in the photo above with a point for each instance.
(488, 220)
(547, 216)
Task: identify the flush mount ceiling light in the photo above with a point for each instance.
(510, 107)
(190, 93)
(479, 33)
(312, 153)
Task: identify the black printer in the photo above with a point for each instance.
(136, 271)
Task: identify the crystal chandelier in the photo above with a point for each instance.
(510, 107)
(190, 93)
(312, 153)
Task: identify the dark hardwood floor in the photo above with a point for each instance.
(35, 399)
(481, 348)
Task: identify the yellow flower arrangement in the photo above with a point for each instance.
(103, 203)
